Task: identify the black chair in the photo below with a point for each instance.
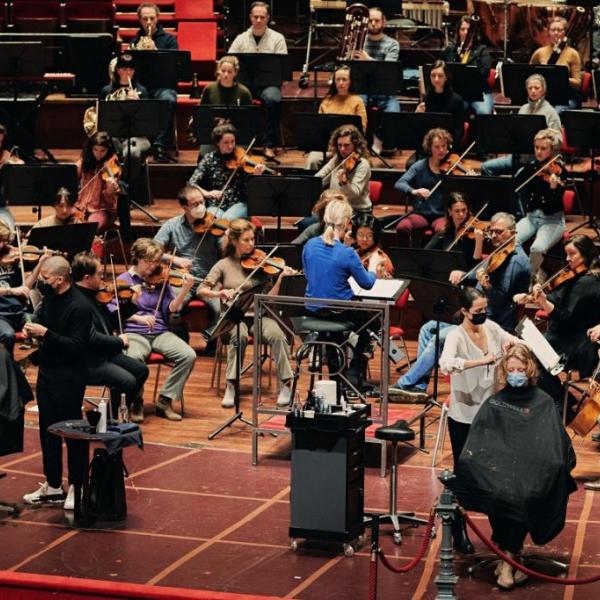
(396, 433)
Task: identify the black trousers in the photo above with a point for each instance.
(507, 535)
(458, 436)
(59, 400)
(122, 374)
(9, 324)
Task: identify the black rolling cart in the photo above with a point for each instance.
(327, 487)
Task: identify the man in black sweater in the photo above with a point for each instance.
(62, 327)
(106, 363)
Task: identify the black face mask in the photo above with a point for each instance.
(478, 318)
(44, 288)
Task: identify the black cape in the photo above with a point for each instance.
(516, 462)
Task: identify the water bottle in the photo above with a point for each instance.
(123, 411)
(102, 409)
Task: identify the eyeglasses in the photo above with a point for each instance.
(364, 236)
(496, 231)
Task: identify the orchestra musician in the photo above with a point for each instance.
(224, 281)
(379, 46)
(318, 212)
(106, 363)
(470, 354)
(468, 50)
(219, 167)
(152, 36)
(225, 91)
(260, 38)
(65, 211)
(522, 487)
(542, 198)
(511, 276)
(365, 237)
(99, 188)
(340, 100)
(420, 179)
(572, 309)
(441, 98)
(559, 52)
(62, 327)
(148, 330)
(536, 105)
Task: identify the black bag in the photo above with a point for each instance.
(105, 497)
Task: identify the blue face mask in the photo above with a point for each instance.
(517, 379)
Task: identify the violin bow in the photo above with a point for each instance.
(338, 167)
(452, 167)
(114, 280)
(548, 163)
(487, 258)
(164, 285)
(104, 166)
(466, 227)
(21, 261)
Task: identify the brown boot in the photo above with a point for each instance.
(137, 411)
(164, 409)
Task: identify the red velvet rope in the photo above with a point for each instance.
(420, 554)
(517, 565)
(373, 576)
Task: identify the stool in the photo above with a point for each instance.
(395, 433)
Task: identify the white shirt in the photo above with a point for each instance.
(470, 387)
(271, 42)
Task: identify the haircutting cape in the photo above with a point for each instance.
(516, 462)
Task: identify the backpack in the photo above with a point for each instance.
(105, 499)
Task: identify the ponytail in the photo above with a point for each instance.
(329, 234)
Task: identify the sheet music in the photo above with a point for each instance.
(538, 344)
(383, 289)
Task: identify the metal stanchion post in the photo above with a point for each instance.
(446, 509)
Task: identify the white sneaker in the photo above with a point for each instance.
(70, 500)
(285, 395)
(229, 397)
(45, 494)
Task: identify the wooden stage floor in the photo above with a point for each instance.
(200, 516)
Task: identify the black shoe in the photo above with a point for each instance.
(460, 538)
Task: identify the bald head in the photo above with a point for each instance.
(55, 273)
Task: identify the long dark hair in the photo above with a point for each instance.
(468, 295)
(473, 30)
(455, 198)
(100, 138)
(439, 64)
(586, 248)
(367, 220)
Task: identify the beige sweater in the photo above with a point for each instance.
(569, 57)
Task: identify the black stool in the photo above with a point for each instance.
(395, 433)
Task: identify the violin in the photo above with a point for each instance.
(211, 224)
(495, 260)
(111, 169)
(562, 276)
(162, 274)
(350, 162)
(552, 170)
(107, 293)
(451, 165)
(476, 224)
(240, 160)
(10, 254)
(258, 259)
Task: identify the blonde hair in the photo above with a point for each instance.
(5, 232)
(523, 354)
(229, 59)
(337, 214)
(146, 249)
(236, 229)
(549, 134)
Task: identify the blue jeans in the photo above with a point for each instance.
(503, 165)
(548, 231)
(573, 105)
(165, 136)
(420, 371)
(383, 103)
(482, 107)
(239, 210)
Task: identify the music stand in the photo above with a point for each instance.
(282, 196)
(23, 62)
(258, 71)
(511, 134)
(313, 130)
(24, 185)
(247, 120)
(230, 318)
(407, 130)
(162, 68)
(433, 265)
(132, 118)
(377, 77)
(69, 239)
(439, 302)
(582, 129)
(496, 191)
(513, 76)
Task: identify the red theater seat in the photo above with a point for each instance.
(200, 38)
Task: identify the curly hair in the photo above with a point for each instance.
(523, 354)
(437, 132)
(88, 161)
(356, 137)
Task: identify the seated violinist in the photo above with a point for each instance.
(193, 248)
(65, 212)
(541, 198)
(99, 173)
(365, 237)
(225, 280)
(147, 329)
(106, 364)
(221, 167)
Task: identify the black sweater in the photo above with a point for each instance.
(538, 194)
(448, 102)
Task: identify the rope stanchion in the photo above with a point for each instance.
(517, 565)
